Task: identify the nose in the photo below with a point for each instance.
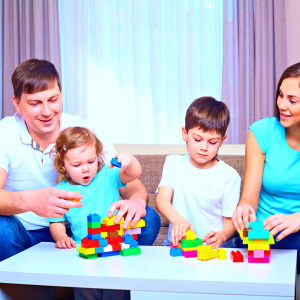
(204, 145)
(45, 110)
(282, 103)
(85, 168)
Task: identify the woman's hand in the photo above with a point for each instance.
(179, 229)
(243, 215)
(286, 223)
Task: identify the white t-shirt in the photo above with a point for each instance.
(201, 196)
(23, 165)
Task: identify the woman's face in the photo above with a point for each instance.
(288, 102)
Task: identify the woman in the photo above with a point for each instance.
(271, 191)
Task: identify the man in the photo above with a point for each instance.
(27, 175)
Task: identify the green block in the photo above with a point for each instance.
(190, 243)
(88, 256)
(130, 251)
(94, 225)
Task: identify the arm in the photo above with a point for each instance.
(164, 206)
(43, 202)
(58, 232)
(131, 168)
(255, 160)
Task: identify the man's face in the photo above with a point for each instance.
(41, 111)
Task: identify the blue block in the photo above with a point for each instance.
(114, 162)
(105, 254)
(94, 236)
(103, 242)
(94, 218)
(133, 244)
(99, 250)
(256, 225)
(127, 238)
(258, 234)
(175, 252)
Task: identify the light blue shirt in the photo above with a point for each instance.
(97, 198)
(280, 191)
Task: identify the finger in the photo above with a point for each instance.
(239, 219)
(283, 234)
(68, 204)
(273, 224)
(234, 222)
(213, 239)
(176, 235)
(268, 220)
(191, 228)
(277, 229)
(210, 234)
(113, 207)
(181, 229)
(136, 218)
(173, 236)
(111, 166)
(130, 214)
(57, 245)
(214, 245)
(73, 244)
(67, 195)
(245, 217)
(68, 244)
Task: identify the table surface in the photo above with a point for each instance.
(153, 270)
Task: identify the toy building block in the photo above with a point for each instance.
(236, 257)
(88, 256)
(257, 246)
(187, 249)
(105, 228)
(94, 224)
(175, 252)
(114, 162)
(264, 260)
(140, 223)
(258, 234)
(112, 234)
(127, 239)
(121, 231)
(116, 247)
(130, 251)
(103, 242)
(116, 240)
(94, 230)
(205, 252)
(106, 254)
(94, 218)
(86, 251)
(188, 254)
(135, 237)
(73, 199)
(221, 253)
(189, 235)
(258, 254)
(124, 246)
(104, 234)
(86, 243)
(108, 248)
(108, 221)
(133, 231)
(190, 243)
(94, 236)
(133, 244)
(99, 250)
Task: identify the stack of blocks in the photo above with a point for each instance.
(259, 242)
(108, 239)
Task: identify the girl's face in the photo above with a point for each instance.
(81, 164)
(288, 102)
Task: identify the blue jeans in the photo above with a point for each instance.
(291, 241)
(15, 238)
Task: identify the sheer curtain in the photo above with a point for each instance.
(133, 67)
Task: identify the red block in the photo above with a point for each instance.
(105, 228)
(86, 243)
(114, 241)
(94, 230)
(116, 247)
(134, 236)
(236, 256)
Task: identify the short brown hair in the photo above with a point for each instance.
(207, 114)
(71, 138)
(291, 71)
(34, 75)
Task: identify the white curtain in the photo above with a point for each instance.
(134, 66)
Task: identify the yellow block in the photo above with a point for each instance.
(86, 251)
(104, 234)
(75, 200)
(121, 231)
(190, 235)
(241, 233)
(258, 246)
(140, 223)
(204, 252)
(221, 253)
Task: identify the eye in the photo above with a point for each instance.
(53, 100)
(292, 101)
(76, 166)
(213, 143)
(196, 140)
(34, 104)
(280, 95)
(91, 162)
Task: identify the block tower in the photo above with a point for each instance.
(259, 242)
(108, 239)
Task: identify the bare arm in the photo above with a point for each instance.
(132, 171)
(58, 232)
(255, 160)
(43, 202)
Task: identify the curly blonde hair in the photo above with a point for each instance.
(71, 138)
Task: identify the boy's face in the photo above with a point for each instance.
(41, 111)
(81, 164)
(202, 146)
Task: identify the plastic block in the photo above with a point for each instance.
(94, 218)
(94, 224)
(259, 234)
(124, 246)
(190, 235)
(73, 199)
(127, 238)
(205, 252)
(112, 234)
(114, 162)
(104, 234)
(108, 221)
(191, 243)
(256, 246)
(236, 257)
(121, 231)
(94, 236)
(106, 254)
(175, 252)
(103, 242)
(105, 228)
(88, 256)
(108, 248)
(264, 260)
(172, 246)
(140, 223)
(133, 244)
(256, 225)
(258, 254)
(99, 250)
(221, 253)
(135, 237)
(188, 254)
(116, 240)
(187, 249)
(133, 231)
(94, 230)
(86, 243)
(116, 247)
(87, 251)
(130, 251)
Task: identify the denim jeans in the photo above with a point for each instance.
(291, 241)
(15, 238)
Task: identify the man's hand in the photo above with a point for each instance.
(134, 210)
(48, 203)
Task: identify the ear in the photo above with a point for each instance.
(16, 103)
(223, 139)
(184, 134)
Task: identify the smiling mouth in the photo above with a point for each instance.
(285, 115)
(46, 121)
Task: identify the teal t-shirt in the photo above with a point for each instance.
(280, 191)
(97, 198)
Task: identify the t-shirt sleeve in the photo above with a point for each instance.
(167, 178)
(114, 177)
(231, 195)
(5, 151)
(261, 130)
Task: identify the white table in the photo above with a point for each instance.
(155, 274)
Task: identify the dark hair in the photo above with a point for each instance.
(292, 71)
(34, 75)
(71, 138)
(207, 114)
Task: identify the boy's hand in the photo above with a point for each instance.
(179, 229)
(65, 243)
(124, 159)
(214, 239)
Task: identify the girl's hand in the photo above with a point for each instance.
(65, 243)
(286, 223)
(179, 229)
(214, 239)
(124, 158)
(243, 215)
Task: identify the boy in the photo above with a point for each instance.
(205, 190)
